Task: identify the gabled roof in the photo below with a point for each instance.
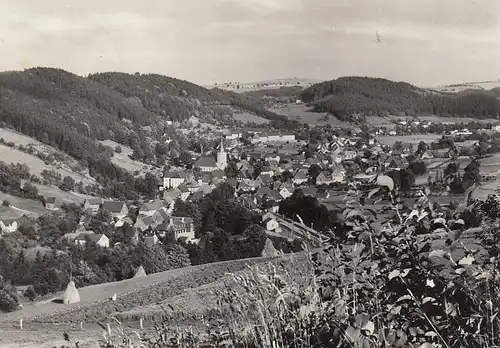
(94, 201)
(94, 237)
(205, 161)
(113, 206)
(151, 206)
(173, 175)
(51, 200)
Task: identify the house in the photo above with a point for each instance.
(206, 164)
(92, 205)
(52, 203)
(99, 239)
(300, 177)
(150, 208)
(151, 240)
(117, 209)
(8, 226)
(324, 179)
(265, 179)
(172, 179)
(396, 163)
(348, 155)
(184, 192)
(338, 173)
(171, 195)
(286, 191)
(271, 224)
(427, 155)
(180, 226)
(310, 191)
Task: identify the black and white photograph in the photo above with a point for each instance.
(250, 174)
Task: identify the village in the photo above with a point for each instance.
(266, 167)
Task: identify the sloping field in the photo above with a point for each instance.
(95, 299)
(20, 206)
(65, 196)
(36, 165)
(248, 117)
(123, 160)
(302, 113)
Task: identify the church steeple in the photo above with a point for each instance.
(221, 156)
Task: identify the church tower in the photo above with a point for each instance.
(221, 157)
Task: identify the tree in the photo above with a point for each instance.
(151, 185)
(118, 149)
(68, 184)
(231, 170)
(418, 168)
(9, 301)
(422, 147)
(313, 172)
(30, 293)
(471, 174)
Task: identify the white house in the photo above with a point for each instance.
(8, 226)
(172, 179)
(271, 224)
(99, 239)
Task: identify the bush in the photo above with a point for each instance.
(9, 301)
(30, 293)
(118, 149)
(6, 203)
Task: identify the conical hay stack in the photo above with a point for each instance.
(269, 249)
(140, 272)
(71, 295)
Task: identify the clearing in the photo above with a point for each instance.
(124, 161)
(63, 164)
(304, 114)
(248, 117)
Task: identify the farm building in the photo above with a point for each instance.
(52, 203)
(117, 209)
(99, 239)
(8, 226)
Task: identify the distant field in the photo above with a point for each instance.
(65, 196)
(445, 120)
(123, 160)
(378, 121)
(302, 113)
(412, 139)
(248, 117)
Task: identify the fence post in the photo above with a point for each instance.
(21, 324)
(81, 325)
(141, 324)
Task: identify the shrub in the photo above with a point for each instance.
(30, 293)
(118, 149)
(6, 203)
(9, 301)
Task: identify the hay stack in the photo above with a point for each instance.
(269, 250)
(71, 294)
(140, 272)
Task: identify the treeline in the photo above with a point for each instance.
(347, 96)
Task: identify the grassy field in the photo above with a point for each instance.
(46, 321)
(124, 161)
(302, 113)
(248, 117)
(20, 206)
(444, 120)
(36, 165)
(412, 139)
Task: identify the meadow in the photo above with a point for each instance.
(124, 161)
(412, 139)
(248, 117)
(134, 295)
(302, 113)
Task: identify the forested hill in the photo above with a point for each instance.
(374, 96)
(178, 99)
(71, 113)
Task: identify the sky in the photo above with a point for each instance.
(424, 42)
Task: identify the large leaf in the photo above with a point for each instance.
(384, 180)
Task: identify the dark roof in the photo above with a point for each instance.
(205, 161)
(93, 201)
(172, 174)
(155, 205)
(51, 200)
(92, 236)
(112, 206)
